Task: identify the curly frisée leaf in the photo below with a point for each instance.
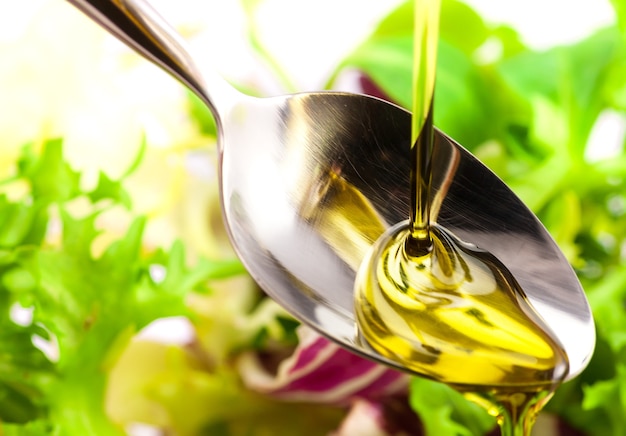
(23, 367)
(50, 177)
(84, 307)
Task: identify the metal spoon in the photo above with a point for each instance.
(309, 181)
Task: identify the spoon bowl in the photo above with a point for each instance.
(309, 181)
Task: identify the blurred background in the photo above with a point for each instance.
(63, 77)
(51, 54)
(58, 67)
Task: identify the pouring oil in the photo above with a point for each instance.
(456, 315)
(445, 309)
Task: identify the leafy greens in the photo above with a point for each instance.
(72, 301)
(84, 306)
(529, 115)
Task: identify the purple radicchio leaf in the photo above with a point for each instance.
(321, 371)
(369, 87)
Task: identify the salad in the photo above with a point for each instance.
(124, 310)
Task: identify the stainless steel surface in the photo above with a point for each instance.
(310, 180)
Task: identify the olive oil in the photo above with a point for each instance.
(456, 315)
(443, 308)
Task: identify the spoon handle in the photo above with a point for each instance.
(139, 26)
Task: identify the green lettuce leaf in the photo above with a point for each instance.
(446, 412)
(468, 93)
(594, 402)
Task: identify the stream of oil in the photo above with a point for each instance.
(445, 309)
